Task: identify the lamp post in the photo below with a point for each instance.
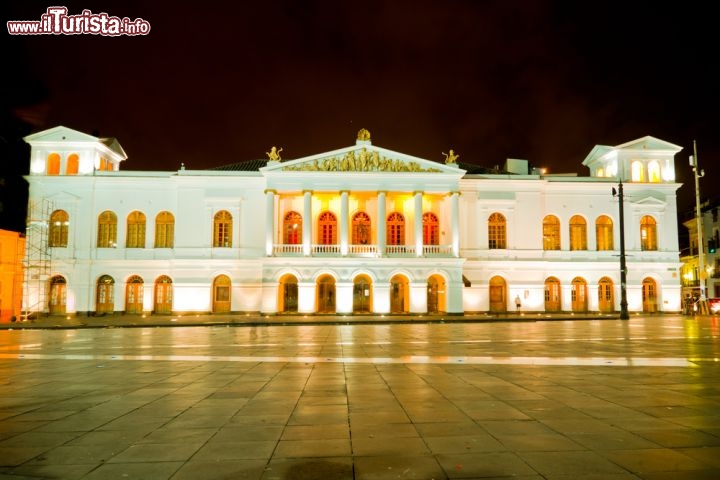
(623, 266)
(702, 303)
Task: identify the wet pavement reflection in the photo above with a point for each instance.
(549, 399)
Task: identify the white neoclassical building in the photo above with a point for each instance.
(360, 229)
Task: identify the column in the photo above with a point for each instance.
(307, 222)
(455, 223)
(418, 224)
(381, 223)
(344, 222)
(269, 221)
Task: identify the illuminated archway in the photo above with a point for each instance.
(58, 295)
(221, 294)
(498, 295)
(362, 294)
(606, 298)
(436, 297)
(326, 294)
(552, 295)
(105, 298)
(649, 295)
(399, 293)
(163, 295)
(134, 295)
(579, 295)
(288, 294)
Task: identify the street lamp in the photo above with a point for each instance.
(623, 266)
(702, 303)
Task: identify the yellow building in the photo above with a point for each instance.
(12, 247)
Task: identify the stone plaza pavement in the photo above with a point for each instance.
(360, 398)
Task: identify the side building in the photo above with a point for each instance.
(360, 229)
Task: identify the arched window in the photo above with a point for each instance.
(637, 171)
(551, 233)
(59, 222)
(648, 233)
(654, 172)
(327, 229)
(52, 167)
(135, 230)
(73, 164)
(292, 228)
(164, 230)
(107, 230)
(496, 231)
(360, 229)
(604, 233)
(395, 229)
(578, 233)
(222, 229)
(431, 229)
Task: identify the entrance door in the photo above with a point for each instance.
(649, 296)
(436, 294)
(606, 303)
(498, 295)
(134, 295)
(221, 294)
(398, 289)
(361, 294)
(105, 299)
(163, 295)
(579, 295)
(552, 295)
(326, 294)
(58, 296)
(288, 294)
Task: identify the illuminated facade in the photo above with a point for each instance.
(12, 244)
(360, 229)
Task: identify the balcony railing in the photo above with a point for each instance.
(293, 250)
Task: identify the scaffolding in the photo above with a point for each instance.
(37, 259)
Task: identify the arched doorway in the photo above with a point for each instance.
(399, 287)
(579, 295)
(436, 294)
(552, 295)
(105, 298)
(649, 295)
(498, 295)
(326, 294)
(221, 294)
(134, 295)
(163, 295)
(288, 294)
(606, 299)
(58, 295)
(362, 294)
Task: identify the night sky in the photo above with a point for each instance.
(217, 83)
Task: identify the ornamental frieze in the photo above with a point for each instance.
(359, 161)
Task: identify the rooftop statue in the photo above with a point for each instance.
(450, 157)
(363, 134)
(274, 154)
